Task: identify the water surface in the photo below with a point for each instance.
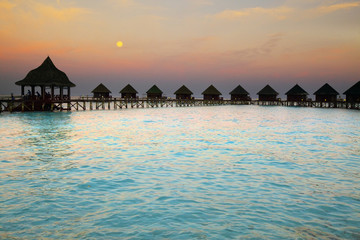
(225, 172)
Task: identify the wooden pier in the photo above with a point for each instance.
(83, 104)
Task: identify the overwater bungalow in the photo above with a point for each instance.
(326, 94)
(101, 91)
(267, 94)
(211, 93)
(154, 92)
(183, 93)
(296, 94)
(128, 92)
(46, 76)
(353, 93)
(239, 94)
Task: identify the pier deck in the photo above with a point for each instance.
(83, 104)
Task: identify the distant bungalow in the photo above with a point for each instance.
(296, 94)
(211, 93)
(101, 91)
(267, 94)
(326, 94)
(128, 92)
(183, 93)
(353, 93)
(46, 76)
(154, 92)
(239, 94)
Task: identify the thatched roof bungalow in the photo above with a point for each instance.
(211, 93)
(353, 93)
(101, 91)
(154, 92)
(296, 94)
(326, 94)
(46, 76)
(183, 93)
(128, 92)
(267, 94)
(239, 94)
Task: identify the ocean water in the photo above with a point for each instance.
(222, 172)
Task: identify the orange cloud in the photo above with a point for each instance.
(336, 7)
(61, 14)
(279, 13)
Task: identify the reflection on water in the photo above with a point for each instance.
(181, 173)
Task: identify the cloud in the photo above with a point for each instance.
(336, 7)
(7, 5)
(61, 14)
(279, 13)
(265, 48)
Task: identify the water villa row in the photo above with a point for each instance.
(55, 94)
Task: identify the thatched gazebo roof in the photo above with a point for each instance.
(101, 89)
(354, 90)
(128, 89)
(211, 90)
(154, 90)
(297, 90)
(239, 90)
(267, 90)
(326, 89)
(46, 75)
(183, 90)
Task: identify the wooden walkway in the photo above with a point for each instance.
(114, 104)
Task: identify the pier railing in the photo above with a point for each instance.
(83, 104)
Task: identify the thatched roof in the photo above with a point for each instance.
(239, 90)
(297, 90)
(267, 90)
(354, 90)
(211, 90)
(183, 90)
(128, 89)
(154, 90)
(101, 89)
(46, 75)
(326, 89)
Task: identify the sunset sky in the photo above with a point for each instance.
(191, 42)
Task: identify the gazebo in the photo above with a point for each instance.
(239, 94)
(353, 93)
(211, 93)
(101, 91)
(46, 76)
(183, 93)
(128, 92)
(326, 94)
(154, 92)
(267, 94)
(296, 94)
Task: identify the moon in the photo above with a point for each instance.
(119, 44)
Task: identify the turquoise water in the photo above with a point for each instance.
(226, 172)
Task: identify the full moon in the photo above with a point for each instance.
(119, 44)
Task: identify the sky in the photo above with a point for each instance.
(174, 42)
